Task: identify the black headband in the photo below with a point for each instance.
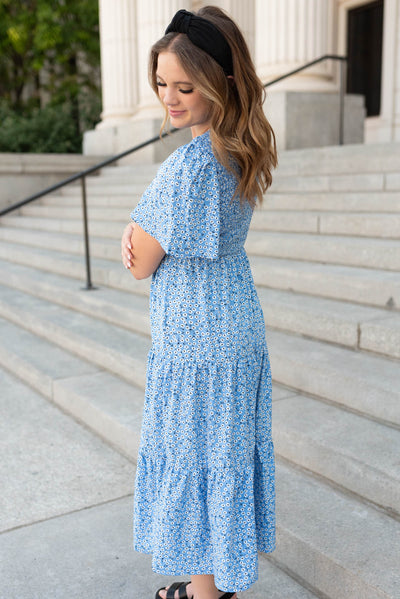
(205, 35)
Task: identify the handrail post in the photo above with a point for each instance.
(86, 235)
(342, 97)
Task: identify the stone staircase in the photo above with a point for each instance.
(325, 256)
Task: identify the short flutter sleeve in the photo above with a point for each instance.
(182, 211)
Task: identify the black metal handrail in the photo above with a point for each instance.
(83, 174)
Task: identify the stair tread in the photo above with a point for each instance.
(359, 285)
(379, 254)
(74, 322)
(106, 213)
(109, 346)
(382, 254)
(365, 383)
(351, 283)
(321, 318)
(329, 182)
(37, 361)
(321, 426)
(354, 225)
(56, 226)
(308, 511)
(360, 454)
(105, 272)
(331, 202)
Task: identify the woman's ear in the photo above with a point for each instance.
(231, 80)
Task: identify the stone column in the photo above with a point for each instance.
(243, 13)
(290, 33)
(153, 16)
(131, 112)
(396, 117)
(386, 127)
(118, 41)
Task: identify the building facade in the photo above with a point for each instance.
(282, 35)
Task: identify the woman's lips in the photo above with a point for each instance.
(175, 113)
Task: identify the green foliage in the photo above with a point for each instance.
(50, 129)
(49, 65)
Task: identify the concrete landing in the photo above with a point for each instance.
(51, 465)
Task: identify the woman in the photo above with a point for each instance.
(204, 498)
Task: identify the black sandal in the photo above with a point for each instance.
(175, 586)
(181, 588)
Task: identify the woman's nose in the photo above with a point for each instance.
(170, 97)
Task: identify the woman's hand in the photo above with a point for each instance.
(126, 246)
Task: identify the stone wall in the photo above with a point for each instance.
(22, 175)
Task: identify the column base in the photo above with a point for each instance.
(108, 141)
(311, 119)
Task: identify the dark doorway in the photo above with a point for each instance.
(364, 51)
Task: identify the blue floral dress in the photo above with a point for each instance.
(204, 498)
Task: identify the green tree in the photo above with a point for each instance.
(50, 56)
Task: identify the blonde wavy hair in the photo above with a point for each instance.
(239, 128)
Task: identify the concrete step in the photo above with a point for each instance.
(341, 548)
(361, 224)
(108, 249)
(359, 285)
(348, 159)
(98, 228)
(109, 347)
(360, 203)
(36, 361)
(49, 467)
(334, 182)
(143, 171)
(356, 224)
(356, 453)
(333, 321)
(324, 439)
(104, 272)
(380, 334)
(282, 182)
(104, 213)
(103, 188)
(382, 254)
(286, 180)
(93, 199)
(366, 384)
(102, 401)
(367, 201)
(125, 309)
(319, 437)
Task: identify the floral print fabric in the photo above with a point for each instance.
(204, 496)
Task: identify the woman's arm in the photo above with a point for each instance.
(141, 253)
